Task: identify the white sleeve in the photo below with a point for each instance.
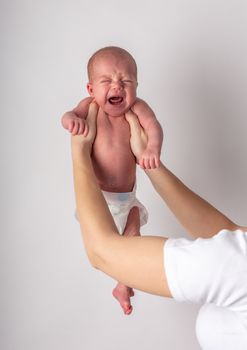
(210, 270)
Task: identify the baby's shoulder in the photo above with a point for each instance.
(142, 109)
(139, 103)
(82, 106)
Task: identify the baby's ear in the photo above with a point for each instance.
(90, 89)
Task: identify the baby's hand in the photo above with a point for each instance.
(149, 159)
(79, 141)
(77, 126)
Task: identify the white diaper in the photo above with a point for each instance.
(120, 205)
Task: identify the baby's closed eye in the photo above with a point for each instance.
(105, 81)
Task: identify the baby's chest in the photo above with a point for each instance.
(113, 134)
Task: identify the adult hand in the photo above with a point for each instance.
(80, 141)
(138, 138)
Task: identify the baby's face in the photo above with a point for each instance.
(113, 84)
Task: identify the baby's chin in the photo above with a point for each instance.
(116, 111)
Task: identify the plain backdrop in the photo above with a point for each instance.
(192, 65)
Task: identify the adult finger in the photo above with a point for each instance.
(85, 130)
(152, 163)
(157, 162)
(92, 114)
(135, 127)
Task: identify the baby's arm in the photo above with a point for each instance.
(75, 121)
(150, 158)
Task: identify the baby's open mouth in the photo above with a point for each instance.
(115, 100)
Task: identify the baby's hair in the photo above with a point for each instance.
(112, 50)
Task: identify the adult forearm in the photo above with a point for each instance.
(94, 216)
(134, 261)
(198, 216)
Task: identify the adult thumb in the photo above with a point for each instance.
(135, 127)
(92, 114)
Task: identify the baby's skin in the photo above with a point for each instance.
(113, 87)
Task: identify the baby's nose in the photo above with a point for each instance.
(117, 85)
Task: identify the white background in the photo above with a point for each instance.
(192, 71)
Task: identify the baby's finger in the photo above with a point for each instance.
(141, 163)
(81, 127)
(150, 163)
(71, 126)
(146, 164)
(75, 129)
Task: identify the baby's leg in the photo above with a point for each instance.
(121, 292)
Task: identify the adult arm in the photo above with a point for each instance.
(133, 261)
(197, 216)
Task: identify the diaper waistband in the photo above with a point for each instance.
(119, 197)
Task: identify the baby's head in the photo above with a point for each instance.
(112, 75)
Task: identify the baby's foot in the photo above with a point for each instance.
(123, 294)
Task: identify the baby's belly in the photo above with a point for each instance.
(114, 165)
